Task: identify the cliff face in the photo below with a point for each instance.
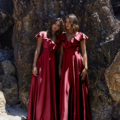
(103, 45)
(97, 20)
(30, 17)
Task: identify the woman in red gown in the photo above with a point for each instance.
(74, 103)
(42, 98)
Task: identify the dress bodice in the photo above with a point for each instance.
(47, 43)
(74, 43)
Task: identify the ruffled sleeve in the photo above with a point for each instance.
(80, 36)
(83, 36)
(39, 34)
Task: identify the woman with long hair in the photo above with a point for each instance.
(42, 98)
(73, 72)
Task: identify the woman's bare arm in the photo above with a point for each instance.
(36, 54)
(84, 54)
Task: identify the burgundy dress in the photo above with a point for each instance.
(74, 103)
(42, 99)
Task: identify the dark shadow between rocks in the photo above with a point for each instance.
(116, 8)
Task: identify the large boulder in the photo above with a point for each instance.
(8, 68)
(2, 103)
(102, 46)
(112, 75)
(10, 89)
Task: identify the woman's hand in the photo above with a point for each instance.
(84, 73)
(84, 54)
(34, 70)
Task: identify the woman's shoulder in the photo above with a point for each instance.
(41, 34)
(81, 36)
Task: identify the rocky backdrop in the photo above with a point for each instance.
(21, 20)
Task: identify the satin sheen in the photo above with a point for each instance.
(42, 98)
(74, 103)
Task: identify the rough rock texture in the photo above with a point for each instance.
(96, 19)
(6, 10)
(112, 75)
(6, 27)
(10, 89)
(8, 68)
(6, 55)
(102, 46)
(2, 103)
(9, 113)
(5, 21)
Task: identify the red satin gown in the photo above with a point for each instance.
(42, 99)
(74, 103)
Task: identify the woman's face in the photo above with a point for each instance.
(56, 26)
(67, 24)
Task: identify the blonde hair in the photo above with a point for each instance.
(74, 22)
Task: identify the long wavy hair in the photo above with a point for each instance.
(58, 32)
(74, 22)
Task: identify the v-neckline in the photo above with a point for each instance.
(71, 38)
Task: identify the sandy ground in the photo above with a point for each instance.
(13, 114)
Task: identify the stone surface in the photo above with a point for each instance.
(102, 47)
(112, 75)
(8, 68)
(10, 89)
(6, 55)
(9, 113)
(2, 103)
(6, 10)
(5, 21)
(96, 20)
